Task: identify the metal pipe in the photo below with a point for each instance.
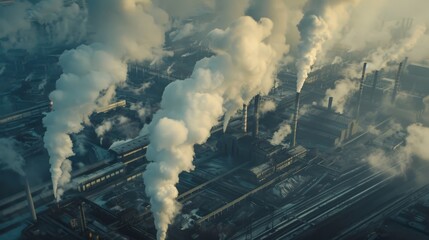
(331, 99)
(256, 116)
(397, 83)
(295, 120)
(360, 91)
(30, 201)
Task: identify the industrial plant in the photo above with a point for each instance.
(229, 120)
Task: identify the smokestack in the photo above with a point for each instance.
(397, 83)
(295, 121)
(374, 85)
(331, 99)
(30, 201)
(82, 218)
(360, 91)
(256, 116)
(244, 118)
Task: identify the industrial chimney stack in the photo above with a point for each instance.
(295, 121)
(360, 91)
(331, 99)
(82, 218)
(30, 201)
(397, 83)
(256, 116)
(374, 85)
(244, 121)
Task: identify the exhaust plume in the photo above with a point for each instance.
(278, 137)
(134, 31)
(10, 158)
(107, 125)
(243, 66)
(24, 24)
(345, 88)
(399, 161)
(267, 106)
(320, 20)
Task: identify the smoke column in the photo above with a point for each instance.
(24, 24)
(321, 18)
(10, 158)
(134, 31)
(377, 60)
(243, 66)
(283, 131)
(400, 160)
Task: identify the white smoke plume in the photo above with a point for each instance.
(134, 31)
(142, 109)
(267, 106)
(397, 162)
(283, 131)
(395, 52)
(380, 58)
(2, 69)
(10, 156)
(42, 84)
(107, 125)
(321, 18)
(341, 93)
(24, 24)
(243, 67)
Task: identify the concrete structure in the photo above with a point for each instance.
(326, 127)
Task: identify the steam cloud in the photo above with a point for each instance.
(320, 19)
(267, 106)
(134, 31)
(397, 162)
(377, 60)
(10, 158)
(24, 24)
(107, 125)
(243, 67)
(281, 134)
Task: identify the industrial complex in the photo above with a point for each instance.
(306, 168)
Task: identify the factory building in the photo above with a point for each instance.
(326, 127)
(80, 219)
(121, 103)
(100, 177)
(279, 161)
(416, 78)
(132, 150)
(22, 118)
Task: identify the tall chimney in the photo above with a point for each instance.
(360, 91)
(256, 116)
(244, 121)
(331, 99)
(397, 83)
(374, 85)
(30, 201)
(295, 121)
(82, 218)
